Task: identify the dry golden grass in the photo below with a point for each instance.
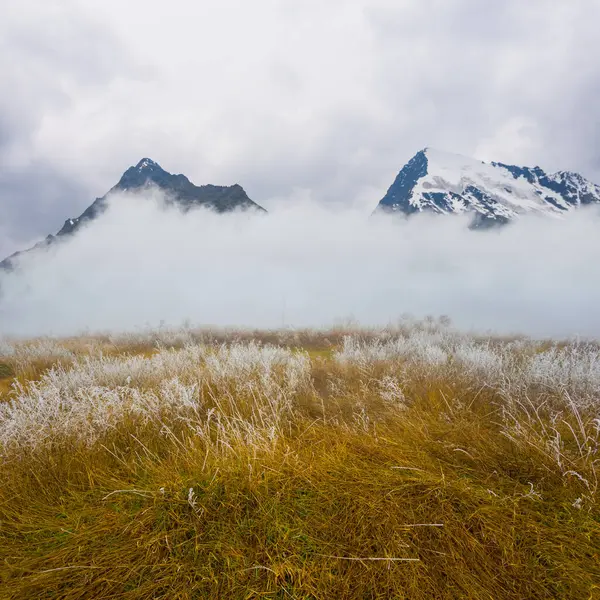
(259, 472)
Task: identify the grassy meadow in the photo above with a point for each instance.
(413, 462)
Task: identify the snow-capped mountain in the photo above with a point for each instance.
(496, 193)
(178, 189)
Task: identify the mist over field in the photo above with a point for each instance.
(304, 265)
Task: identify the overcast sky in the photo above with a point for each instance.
(293, 99)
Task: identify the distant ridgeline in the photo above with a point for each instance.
(149, 174)
(432, 181)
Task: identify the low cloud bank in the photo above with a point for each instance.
(145, 264)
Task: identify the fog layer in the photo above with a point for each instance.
(145, 264)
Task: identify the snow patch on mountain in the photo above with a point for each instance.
(449, 183)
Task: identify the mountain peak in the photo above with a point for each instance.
(147, 164)
(446, 183)
(181, 190)
(146, 171)
(177, 189)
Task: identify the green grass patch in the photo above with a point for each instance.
(6, 371)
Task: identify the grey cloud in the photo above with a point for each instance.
(50, 54)
(35, 202)
(476, 67)
(294, 100)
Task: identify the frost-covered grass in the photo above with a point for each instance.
(507, 367)
(191, 386)
(415, 462)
